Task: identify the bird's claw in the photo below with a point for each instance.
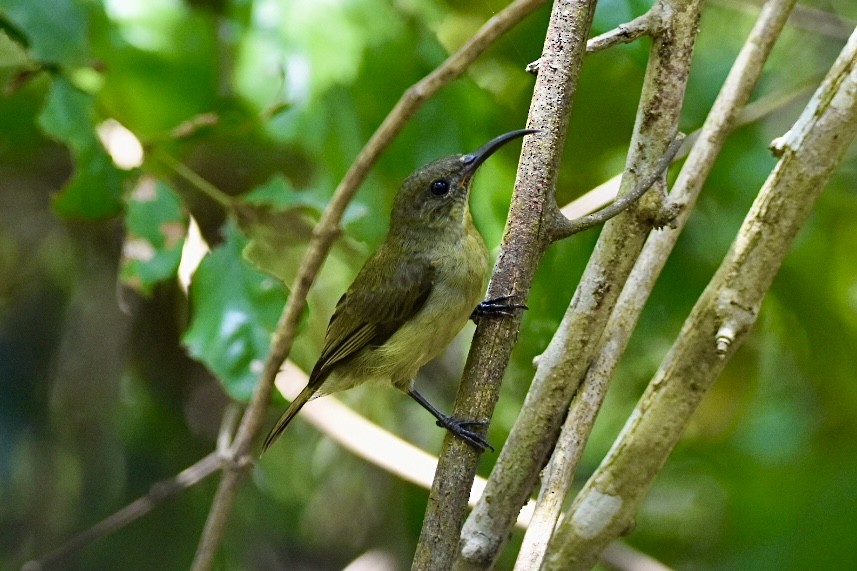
(497, 306)
(461, 428)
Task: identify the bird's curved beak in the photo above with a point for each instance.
(474, 160)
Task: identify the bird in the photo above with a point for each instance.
(414, 294)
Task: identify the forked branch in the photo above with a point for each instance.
(323, 236)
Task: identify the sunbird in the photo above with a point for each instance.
(414, 294)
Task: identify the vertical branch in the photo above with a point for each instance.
(736, 90)
(323, 236)
(718, 323)
(524, 241)
(565, 361)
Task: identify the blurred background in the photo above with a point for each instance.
(112, 377)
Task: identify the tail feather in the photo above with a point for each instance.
(287, 417)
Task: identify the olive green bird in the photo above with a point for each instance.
(414, 294)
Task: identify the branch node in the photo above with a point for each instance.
(238, 463)
(563, 227)
(778, 146)
(644, 25)
(533, 67)
(667, 214)
(735, 319)
(724, 339)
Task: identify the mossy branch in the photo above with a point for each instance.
(718, 323)
(557, 476)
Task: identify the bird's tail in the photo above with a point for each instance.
(287, 417)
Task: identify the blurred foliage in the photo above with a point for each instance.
(111, 378)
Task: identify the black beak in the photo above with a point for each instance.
(473, 160)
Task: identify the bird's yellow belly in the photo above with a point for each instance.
(453, 298)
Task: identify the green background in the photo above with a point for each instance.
(112, 379)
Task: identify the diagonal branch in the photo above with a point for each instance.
(557, 476)
(158, 493)
(323, 236)
(563, 227)
(626, 33)
(718, 323)
(605, 192)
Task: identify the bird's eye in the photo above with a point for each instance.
(439, 187)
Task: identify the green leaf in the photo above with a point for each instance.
(278, 192)
(12, 54)
(56, 29)
(279, 222)
(67, 115)
(156, 229)
(95, 189)
(234, 312)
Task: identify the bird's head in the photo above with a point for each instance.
(436, 195)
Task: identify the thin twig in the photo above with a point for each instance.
(211, 191)
(158, 493)
(736, 90)
(323, 236)
(226, 434)
(563, 227)
(622, 34)
(193, 125)
(804, 18)
(606, 192)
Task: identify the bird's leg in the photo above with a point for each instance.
(457, 426)
(496, 306)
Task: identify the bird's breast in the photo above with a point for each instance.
(460, 274)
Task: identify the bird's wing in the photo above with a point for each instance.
(381, 299)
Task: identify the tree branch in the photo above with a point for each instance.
(158, 493)
(566, 359)
(803, 18)
(323, 237)
(605, 192)
(622, 34)
(718, 323)
(640, 26)
(562, 227)
(736, 90)
(524, 241)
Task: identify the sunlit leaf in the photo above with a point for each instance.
(156, 228)
(95, 189)
(12, 54)
(56, 29)
(234, 312)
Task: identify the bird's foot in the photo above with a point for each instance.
(457, 426)
(462, 429)
(497, 306)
